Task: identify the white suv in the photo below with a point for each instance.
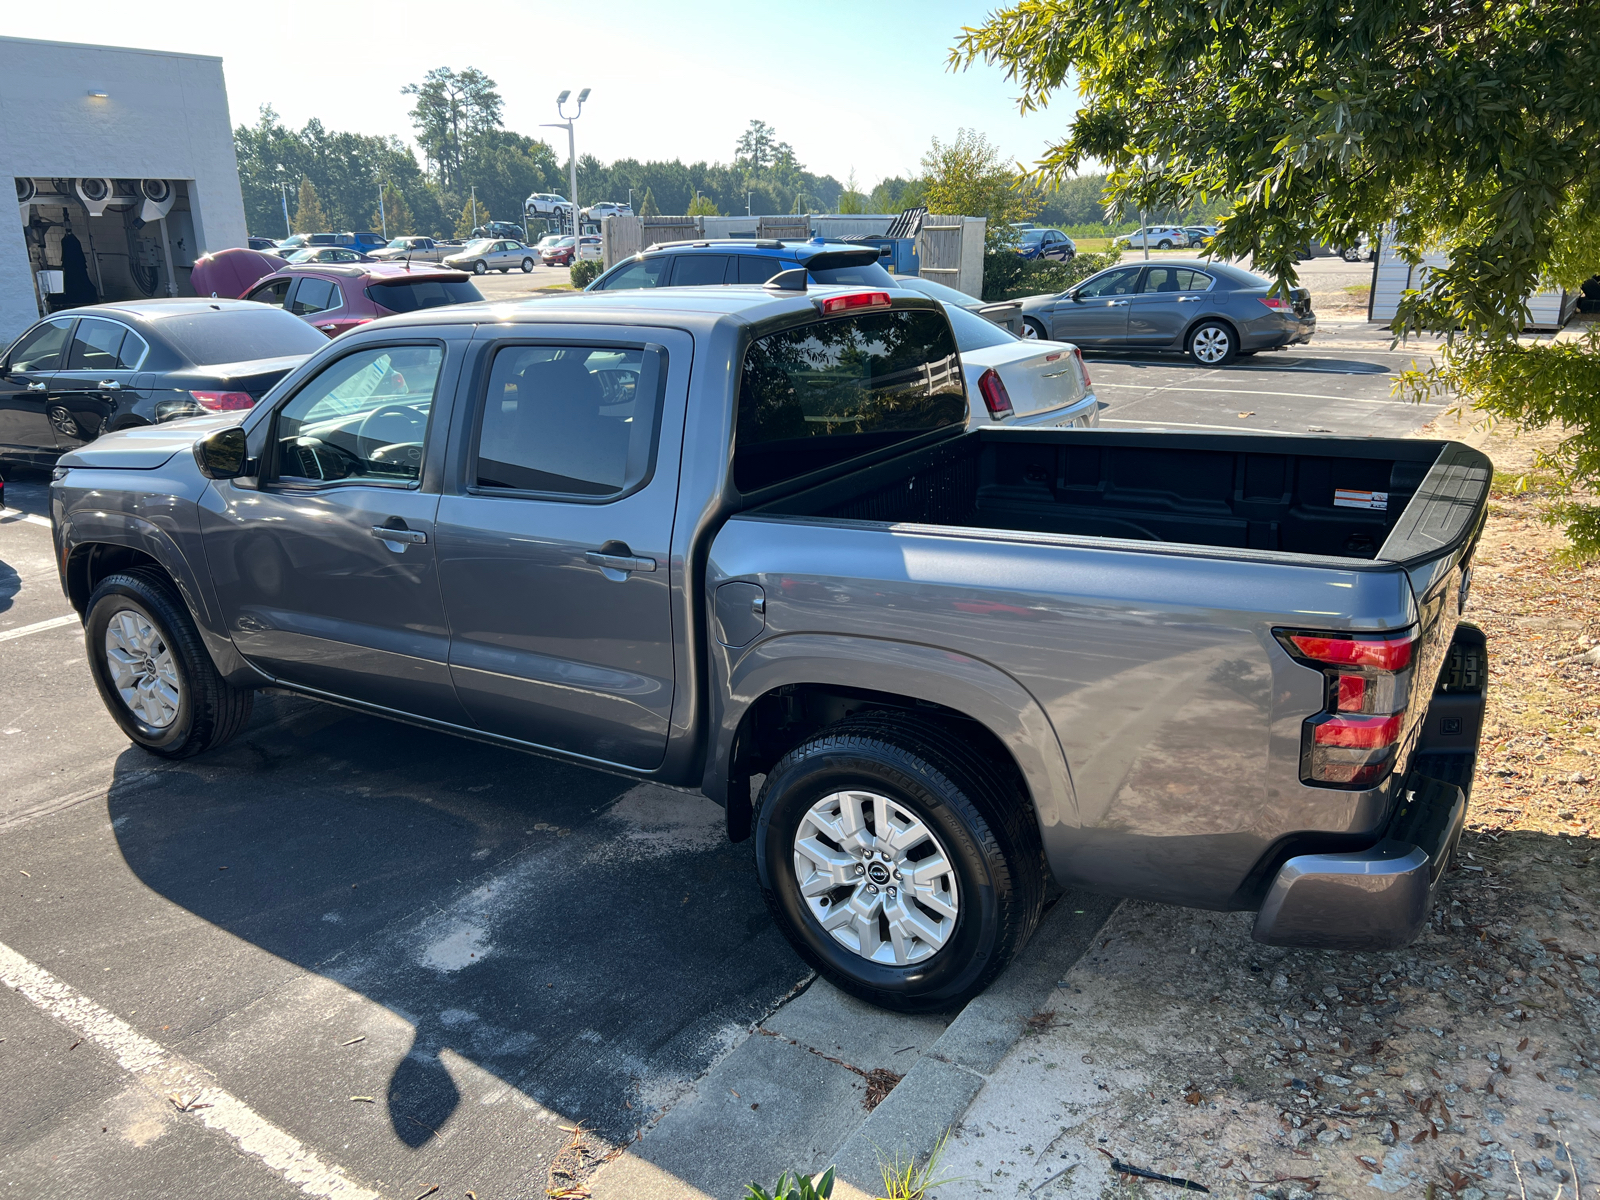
(1156, 237)
(607, 208)
(546, 203)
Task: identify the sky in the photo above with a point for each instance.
(857, 85)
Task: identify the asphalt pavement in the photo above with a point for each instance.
(346, 957)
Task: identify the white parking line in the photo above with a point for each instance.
(41, 626)
(175, 1078)
(1258, 392)
(15, 516)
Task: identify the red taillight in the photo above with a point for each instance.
(1083, 369)
(995, 396)
(837, 304)
(224, 401)
(1276, 303)
(1354, 741)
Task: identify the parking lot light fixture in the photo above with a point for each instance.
(572, 152)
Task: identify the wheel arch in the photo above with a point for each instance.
(789, 687)
(1220, 319)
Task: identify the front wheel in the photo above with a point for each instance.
(898, 862)
(152, 669)
(527, 266)
(1213, 344)
(480, 267)
(1032, 330)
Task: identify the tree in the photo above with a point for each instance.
(647, 206)
(755, 148)
(454, 112)
(851, 200)
(308, 216)
(472, 216)
(1468, 125)
(703, 206)
(967, 176)
(395, 214)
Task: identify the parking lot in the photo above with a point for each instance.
(346, 957)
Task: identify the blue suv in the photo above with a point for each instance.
(697, 264)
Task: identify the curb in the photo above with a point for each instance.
(936, 1091)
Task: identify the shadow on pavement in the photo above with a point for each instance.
(1262, 361)
(582, 939)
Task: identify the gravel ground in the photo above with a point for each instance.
(1180, 1046)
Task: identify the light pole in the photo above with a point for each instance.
(474, 208)
(283, 194)
(747, 196)
(383, 217)
(572, 152)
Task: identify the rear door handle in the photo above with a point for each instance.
(415, 537)
(110, 385)
(620, 562)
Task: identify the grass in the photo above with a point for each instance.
(907, 1181)
(1514, 483)
(1359, 290)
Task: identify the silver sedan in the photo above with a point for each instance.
(493, 254)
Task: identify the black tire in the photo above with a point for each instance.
(1213, 343)
(1163, 245)
(209, 710)
(527, 266)
(1034, 329)
(480, 267)
(986, 826)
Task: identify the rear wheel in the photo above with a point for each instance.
(1163, 245)
(152, 669)
(898, 862)
(1213, 343)
(527, 266)
(1032, 329)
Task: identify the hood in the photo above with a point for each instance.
(1035, 303)
(232, 272)
(147, 446)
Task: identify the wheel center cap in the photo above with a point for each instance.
(878, 873)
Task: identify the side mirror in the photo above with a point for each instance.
(223, 454)
(1070, 294)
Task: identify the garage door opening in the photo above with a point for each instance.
(92, 239)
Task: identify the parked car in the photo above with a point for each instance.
(492, 254)
(1046, 243)
(736, 260)
(1210, 310)
(1007, 314)
(558, 252)
(1363, 250)
(231, 272)
(86, 371)
(1020, 382)
(363, 242)
(606, 208)
(336, 298)
(1156, 237)
(300, 241)
(589, 249)
(1225, 671)
(1200, 235)
(413, 249)
(501, 229)
(546, 204)
(327, 254)
(261, 243)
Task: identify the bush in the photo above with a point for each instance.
(585, 271)
(1007, 275)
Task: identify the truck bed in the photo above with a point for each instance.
(1350, 498)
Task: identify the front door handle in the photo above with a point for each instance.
(1119, 304)
(109, 385)
(36, 387)
(620, 562)
(415, 537)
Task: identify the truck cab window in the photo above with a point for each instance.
(572, 420)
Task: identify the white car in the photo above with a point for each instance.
(1017, 382)
(1156, 237)
(493, 254)
(545, 204)
(606, 208)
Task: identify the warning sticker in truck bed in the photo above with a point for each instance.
(1350, 498)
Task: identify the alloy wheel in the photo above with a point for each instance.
(1211, 344)
(875, 876)
(142, 668)
(1030, 331)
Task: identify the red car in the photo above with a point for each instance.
(560, 254)
(335, 297)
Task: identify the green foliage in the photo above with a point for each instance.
(1468, 125)
(585, 271)
(472, 216)
(647, 206)
(308, 216)
(1007, 275)
(395, 215)
(794, 1187)
(454, 112)
(967, 176)
(851, 200)
(703, 206)
(904, 1180)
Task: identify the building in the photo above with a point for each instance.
(125, 174)
(1392, 276)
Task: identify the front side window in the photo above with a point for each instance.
(96, 346)
(830, 391)
(641, 273)
(362, 419)
(568, 420)
(42, 348)
(1113, 283)
(315, 295)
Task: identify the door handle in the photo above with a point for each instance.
(325, 328)
(109, 385)
(1119, 304)
(620, 562)
(36, 387)
(415, 537)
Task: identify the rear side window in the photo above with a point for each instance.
(408, 295)
(827, 392)
(315, 295)
(573, 421)
(239, 335)
(758, 270)
(695, 270)
(96, 346)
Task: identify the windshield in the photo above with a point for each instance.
(240, 334)
(480, 244)
(1032, 236)
(974, 332)
(823, 393)
(400, 244)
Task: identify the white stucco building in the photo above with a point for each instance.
(129, 151)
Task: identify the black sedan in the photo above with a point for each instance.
(1212, 311)
(86, 371)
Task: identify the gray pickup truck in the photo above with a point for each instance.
(706, 536)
